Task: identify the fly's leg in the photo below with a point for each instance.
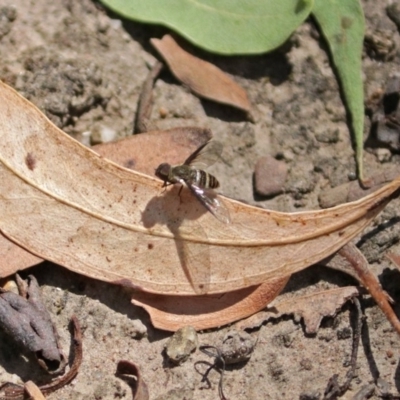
(179, 194)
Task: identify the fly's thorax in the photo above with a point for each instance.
(183, 172)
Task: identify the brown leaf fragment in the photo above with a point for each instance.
(170, 313)
(203, 78)
(360, 264)
(311, 308)
(138, 385)
(33, 391)
(10, 391)
(144, 152)
(14, 258)
(25, 318)
(352, 191)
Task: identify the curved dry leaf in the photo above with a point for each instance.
(202, 77)
(65, 203)
(139, 390)
(171, 313)
(312, 308)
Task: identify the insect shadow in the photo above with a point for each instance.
(173, 208)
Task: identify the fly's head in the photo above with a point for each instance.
(163, 171)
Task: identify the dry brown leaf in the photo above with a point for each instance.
(145, 152)
(202, 312)
(66, 204)
(14, 258)
(357, 261)
(203, 78)
(312, 308)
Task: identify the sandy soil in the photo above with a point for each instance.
(50, 49)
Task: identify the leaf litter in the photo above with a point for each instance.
(28, 161)
(203, 78)
(123, 224)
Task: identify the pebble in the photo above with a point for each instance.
(135, 329)
(383, 155)
(103, 134)
(181, 344)
(269, 176)
(237, 346)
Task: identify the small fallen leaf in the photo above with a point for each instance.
(311, 308)
(144, 152)
(71, 206)
(139, 389)
(203, 78)
(171, 313)
(360, 265)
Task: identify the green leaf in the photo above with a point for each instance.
(342, 24)
(222, 26)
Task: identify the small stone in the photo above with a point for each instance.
(182, 343)
(237, 346)
(135, 329)
(383, 155)
(269, 176)
(328, 136)
(103, 134)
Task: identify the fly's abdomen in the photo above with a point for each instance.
(205, 180)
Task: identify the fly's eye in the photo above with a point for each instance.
(163, 170)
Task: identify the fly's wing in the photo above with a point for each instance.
(205, 155)
(212, 203)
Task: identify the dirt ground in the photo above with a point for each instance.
(49, 51)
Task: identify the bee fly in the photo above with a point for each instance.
(201, 183)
